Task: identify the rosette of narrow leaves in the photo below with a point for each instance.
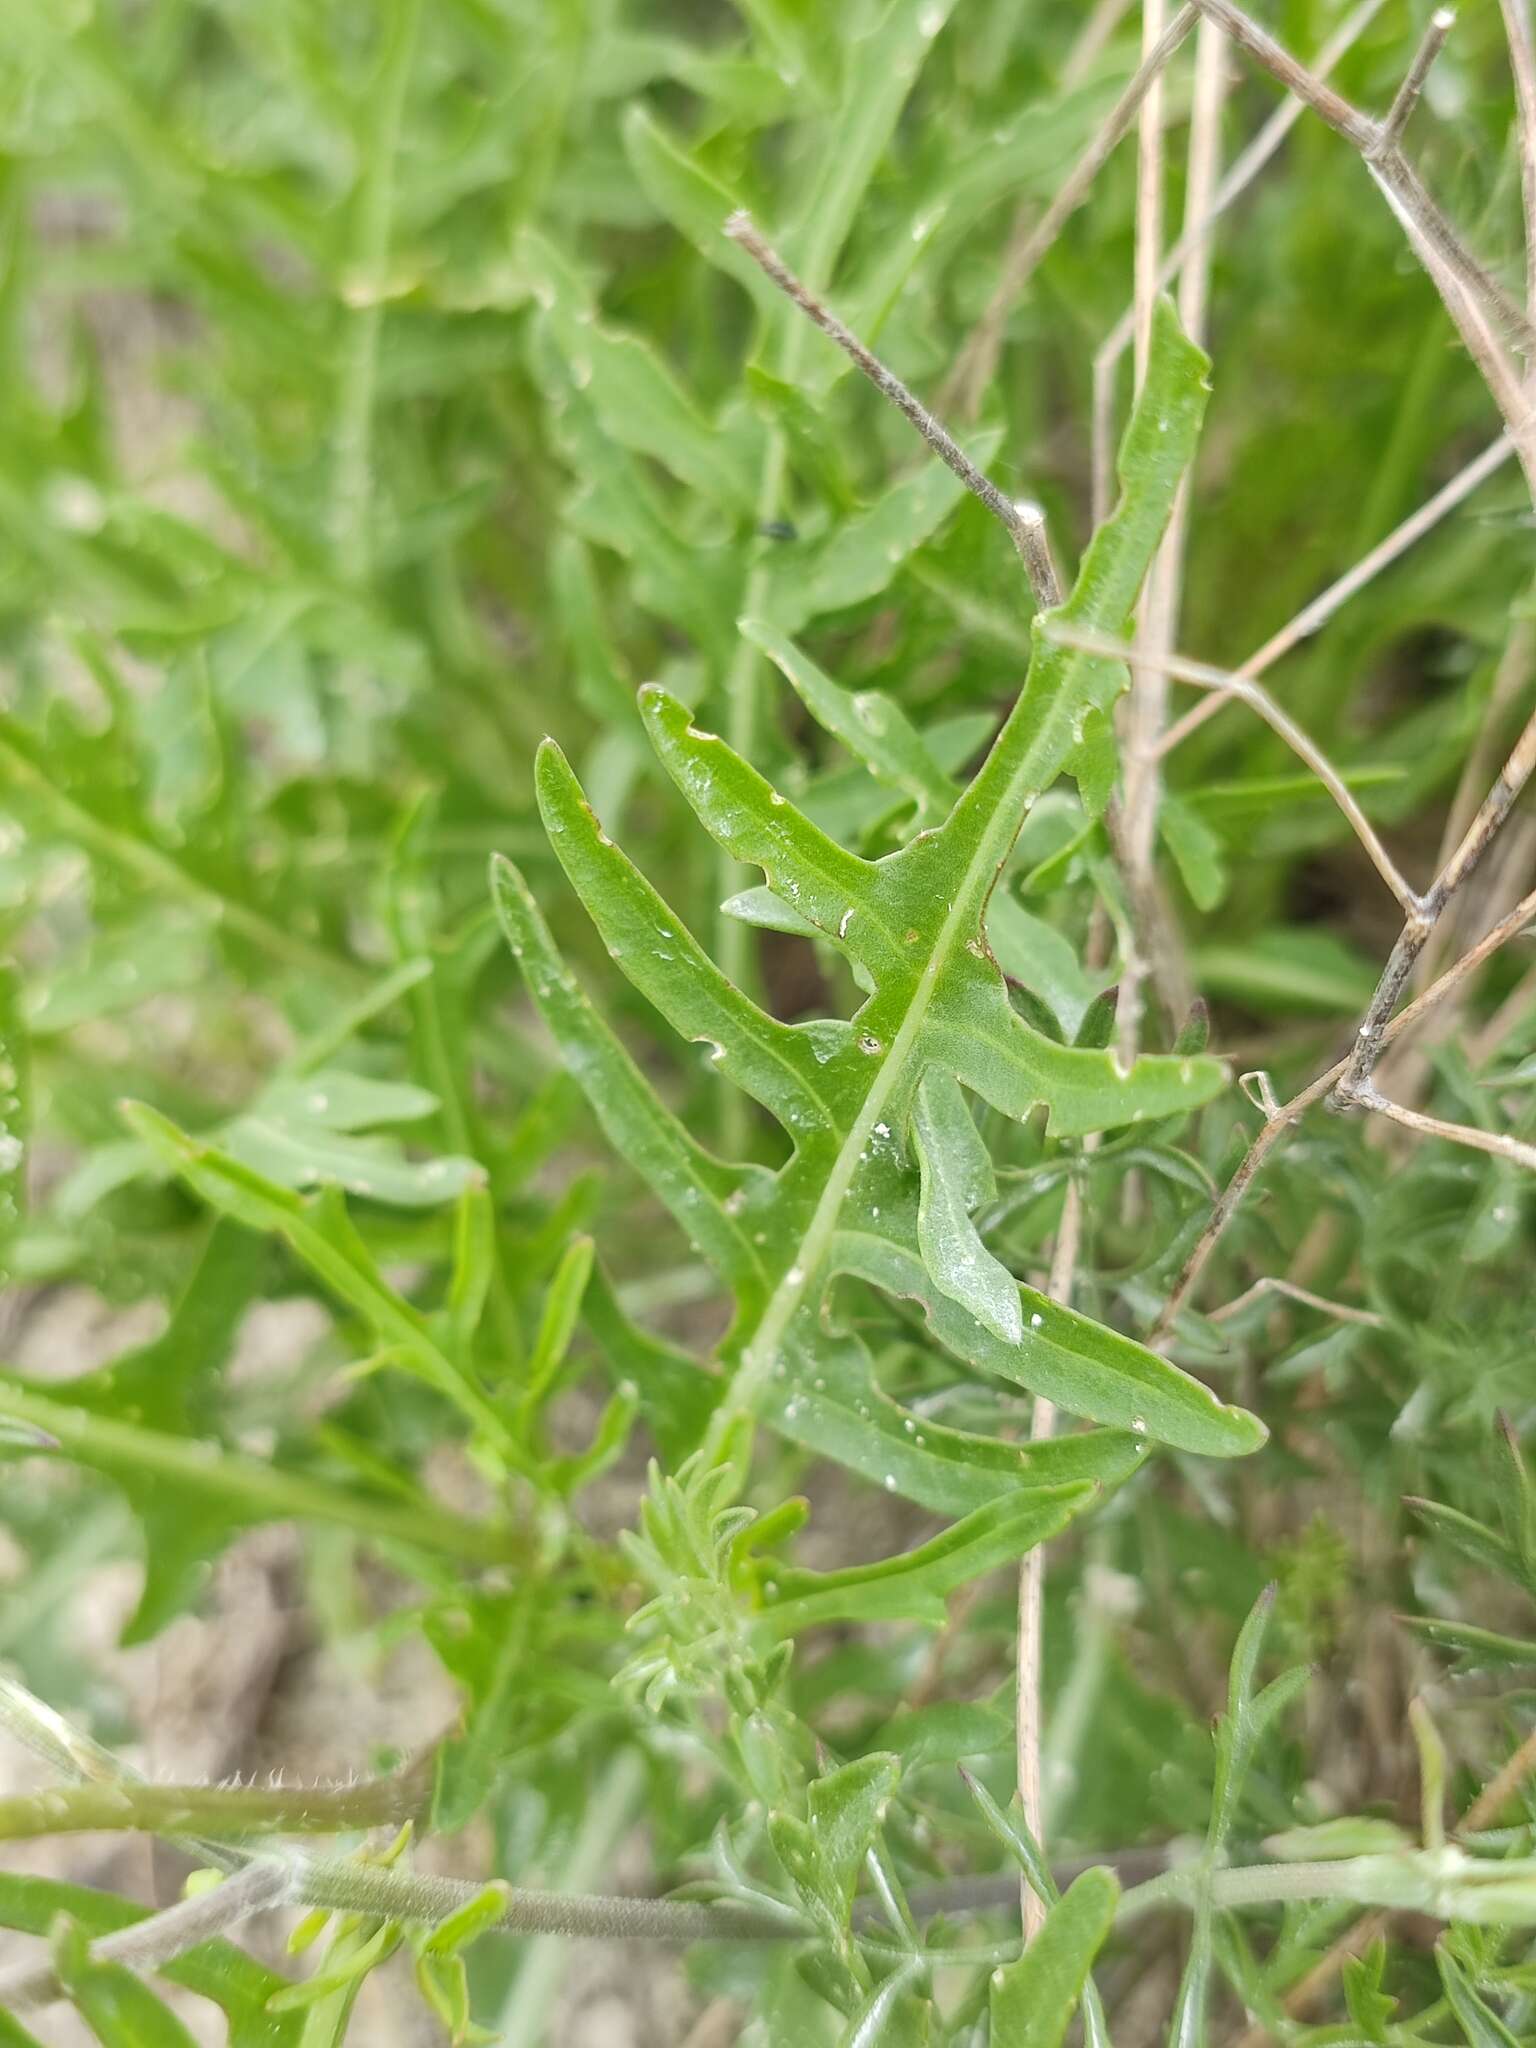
(886, 1168)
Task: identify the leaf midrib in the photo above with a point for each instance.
(759, 1355)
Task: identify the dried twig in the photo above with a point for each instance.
(1146, 708)
(1522, 63)
(1498, 1143)
(1422, 918)
(1398, 115)
(1236, 683)
(266, 1882)
(1490, 1802)
(1245, 168)
(1322, 608)
(1028, 1720)
(1484, 315)
(1276, 1126)
(1025, 523)
(1092, 40)
(1273, 1284)
(976, 365)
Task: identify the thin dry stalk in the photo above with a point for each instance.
(1497, 1143)
(1477, 304)
(1490, 1802)
(1236, 683)
(1366, 136)
(1400, 113)
(1092, 41)
(1305, 1993)
(1244, 170)
(262, 1884)
(1322, 608)
(1148, 704)
(1522, 63)
(1029, 1727)
(1422, 919)
(1273, 1284)
(1024, 523)
(976, 365)
(1276, 1126)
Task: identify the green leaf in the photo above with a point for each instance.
(635, 397)
(1350, 1835)
(694, 202)
(1477, 1649)
(1478, 2021)
(166, 1386)
(1486, 1547)
(893, 2018)
(863, 554)
(119, 2008)
(914, 1585)
(825, 1853)
(1249, 1716)
(298, 1133)
(831, 1403)
(705, 1196)
(1369, 2008)
(215, 1970)
(1034, 1999)
(944, 1733)
(557, 1325)
(957, 1177)
(676, 1395)
(1305, 970)
(1196, 850)
(852, 1198)
(321, 1235)
(845, 1809)
(1035, 955)
(873, 727)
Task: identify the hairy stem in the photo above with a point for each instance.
(122, 1804)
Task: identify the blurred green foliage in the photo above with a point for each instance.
(378, 393)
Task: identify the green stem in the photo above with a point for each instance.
(162, 872)
(210, 1809)
(244, 1485)
(352, 483)
(350, 1887)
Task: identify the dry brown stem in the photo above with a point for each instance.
(1276, 1126)
(976, 365)
(1024, 523)
(1028, 1721)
